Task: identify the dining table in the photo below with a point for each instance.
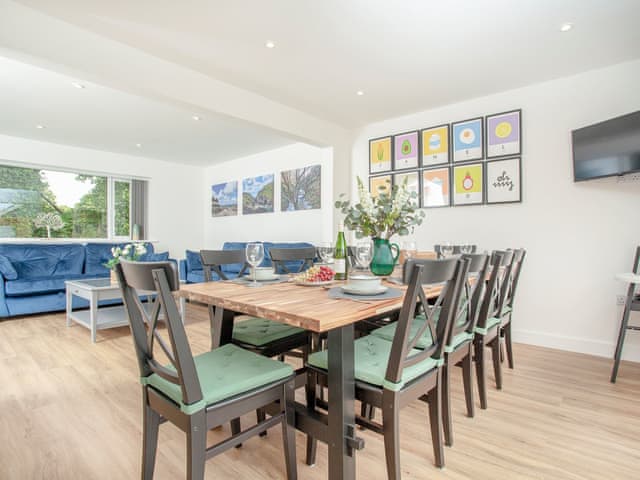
(310, 308)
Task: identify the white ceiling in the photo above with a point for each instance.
(406, 56)
(107, 119)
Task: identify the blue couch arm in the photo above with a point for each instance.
(183, 269)
(4, 311)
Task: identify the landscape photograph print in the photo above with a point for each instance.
(257, 194)
(224, 199)
(300, 189)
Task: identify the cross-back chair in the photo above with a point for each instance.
(456, 249)
(509, 296)
(391, 374)
(292, 260)
(198, 393)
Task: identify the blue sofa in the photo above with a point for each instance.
(33, 274)
(191, 267)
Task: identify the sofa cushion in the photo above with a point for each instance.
(234, 267)
(155, 257)
(44, 260)
(195, 276)
(42, 285)
(6, 268)
(194, 262)
(100, 253)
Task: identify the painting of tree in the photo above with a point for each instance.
(257, 194)
(301, 189)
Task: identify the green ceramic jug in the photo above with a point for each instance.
(383, 258)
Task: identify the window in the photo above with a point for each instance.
(46, 203)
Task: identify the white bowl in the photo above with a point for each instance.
(364, 282)
(262, 273)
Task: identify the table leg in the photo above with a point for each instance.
(341, 403)
(221, 326)
(69, 306)
(93, 316)
(183, 309)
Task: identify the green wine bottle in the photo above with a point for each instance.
(340, 255)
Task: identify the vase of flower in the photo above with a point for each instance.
(113, 276)
(131, 251)
(384, 259)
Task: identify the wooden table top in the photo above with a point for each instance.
(301, 306)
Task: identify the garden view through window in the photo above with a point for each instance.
(38, 203)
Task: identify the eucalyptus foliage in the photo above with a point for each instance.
(394, 211)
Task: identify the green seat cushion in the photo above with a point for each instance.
(458, 340)
(371, 359)
(506, 309)
(224, 372)
(491, 322)
(260, 331)
(425, 341)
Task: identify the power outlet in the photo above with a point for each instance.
(621, 299)
(629, 178)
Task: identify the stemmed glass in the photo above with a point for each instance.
(446, 249)
(255, 255)
(364, 253)
(409, 249)
(325, 250)
(466, 248)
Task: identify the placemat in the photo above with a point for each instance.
(337, 292)
(246, 279)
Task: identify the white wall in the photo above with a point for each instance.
(304, 225)
(175, 200)
(577, 235)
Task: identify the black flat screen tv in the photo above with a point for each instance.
(607, 148)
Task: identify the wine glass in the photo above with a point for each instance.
(325, 250)
(364, 253)
(466, 248)
(255, 254)
(409, 249)
(446, 249)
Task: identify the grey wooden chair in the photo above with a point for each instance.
(631, 304)
(198, 393)
(391, 374)
(456, 250)
(292, 260)
(507, 310)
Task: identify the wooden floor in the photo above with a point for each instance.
(72, 410)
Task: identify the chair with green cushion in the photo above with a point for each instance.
(505, 319)
(199, 393)
(487, 331)
(391, 374)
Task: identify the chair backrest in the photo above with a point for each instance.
(216, 259)
(456, 249)
(450, 273)
(162, 278)
(518, 259)
(492, 304)
(292, 260)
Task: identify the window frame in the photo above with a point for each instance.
(111, 207)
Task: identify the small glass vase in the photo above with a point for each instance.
(113, 277)
(384, 260)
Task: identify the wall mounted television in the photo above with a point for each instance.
(607, 148)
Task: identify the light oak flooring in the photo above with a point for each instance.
(72, 410)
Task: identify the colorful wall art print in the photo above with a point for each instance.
(413, 183)
(405, 154)
(378, 184)
(504, 183)
(257, 194)
(467, 184)
(435, 188)
(467, 140)
(435, 145)
(380, 155)
(224, 199)
(503, 134)
(300, 189)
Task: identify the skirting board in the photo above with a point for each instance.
(631, 350)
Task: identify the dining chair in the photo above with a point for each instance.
(631, 304)
(292, 260)
(391, 374)
(199, 393)
(507, 310)
(487, 331)
(456, 249)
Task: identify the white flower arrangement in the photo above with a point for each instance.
(131, 251)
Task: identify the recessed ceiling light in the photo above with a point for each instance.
(359, 93)
(139, 145)
(196, 117)
(77, 85)
(270, 44)
(565, 27)
(40, 127)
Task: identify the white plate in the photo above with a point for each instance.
(359, 291)
(313, 284)
(268, 279)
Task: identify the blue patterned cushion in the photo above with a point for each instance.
(6, 268)
(194, 262)
(42, 260)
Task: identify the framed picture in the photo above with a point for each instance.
(413, 182)
(224, 199)
(467, 140)
(300, 189)
(380, 182)
(435, 145)
(503, 132)
(405, 150)
(380, 155)
(436, 187)
(257, 194)
(468, 184)
(504, 181)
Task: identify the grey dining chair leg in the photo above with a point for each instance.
(260, 417)
(497, 364)
(508, 344)
(467, 379)
(435, 419)
(236, 427)
(150, 426)
(446, 406)
(196, 446)
(391, 425)
(480, 373)
(289, 431)
(618, 355)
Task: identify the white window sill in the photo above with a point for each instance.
(71, 240)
